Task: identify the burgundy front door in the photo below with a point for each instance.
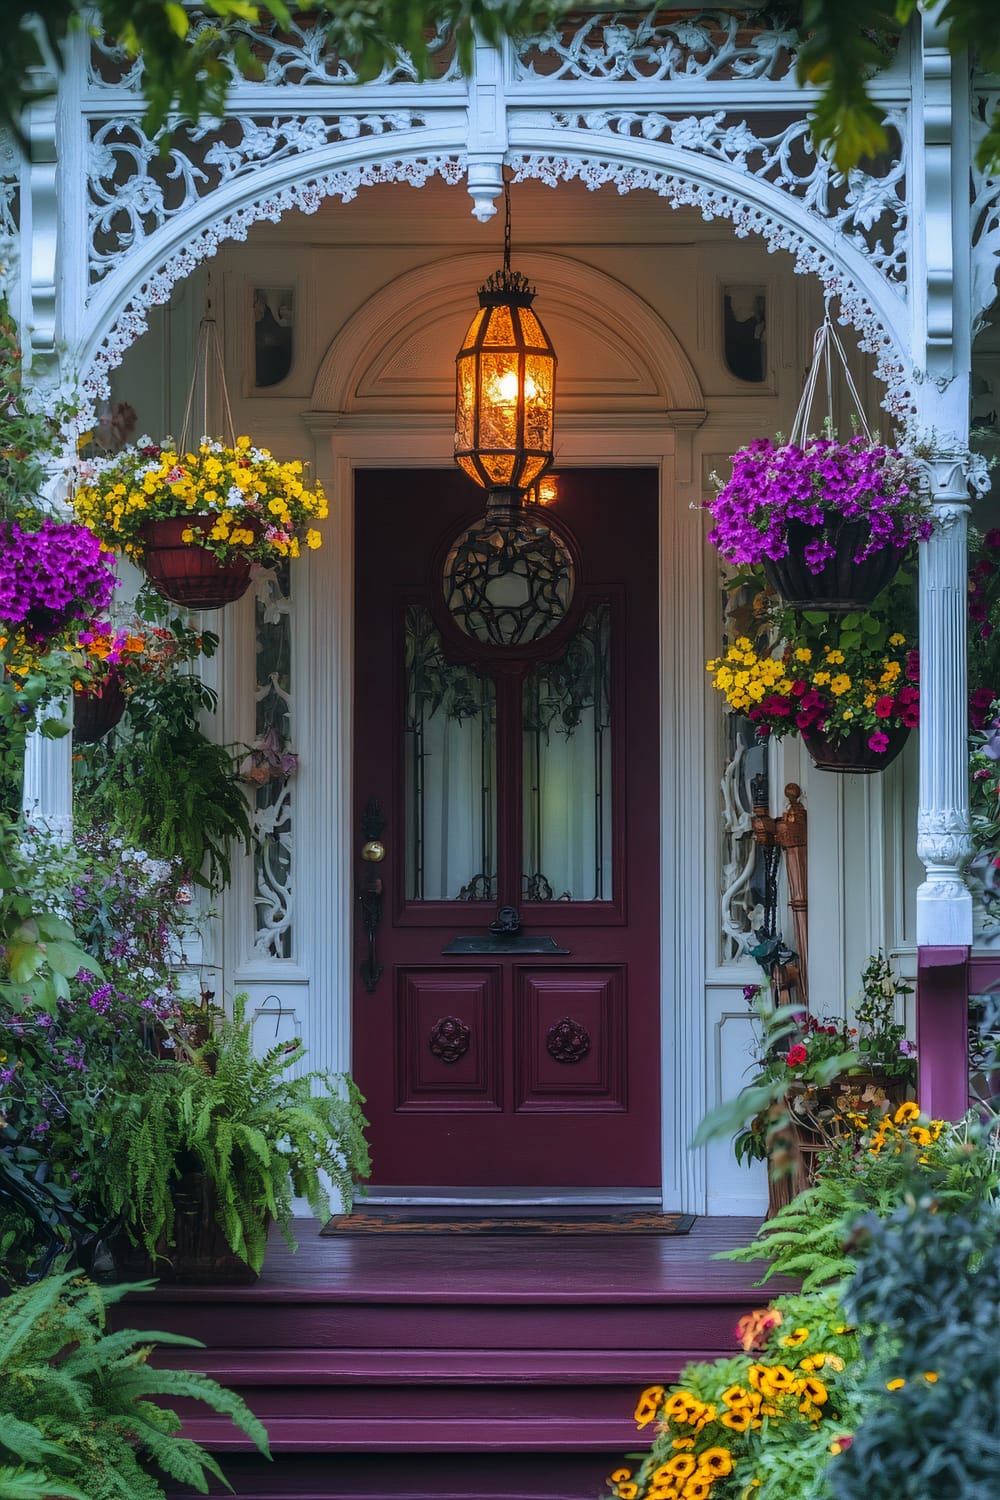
(520, 776)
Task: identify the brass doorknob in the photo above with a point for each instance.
(373, 851)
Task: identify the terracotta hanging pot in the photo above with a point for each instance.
(188, 574)
(852, 754)
(842, 584)
(96, 714)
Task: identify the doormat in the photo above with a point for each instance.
(412, 1221)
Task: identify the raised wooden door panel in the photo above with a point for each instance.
(527, 778)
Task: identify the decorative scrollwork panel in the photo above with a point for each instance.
(658, 46)
(134, 189)
(869, 210)
(271, 769)
(295, 55)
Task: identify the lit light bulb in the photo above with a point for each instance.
(507, 386)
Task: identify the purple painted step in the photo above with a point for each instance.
(462, 1370)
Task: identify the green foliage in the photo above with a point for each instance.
(929, 1282)
(809, 1237)
(79, 1412)
(163, 786)
(258, 1135)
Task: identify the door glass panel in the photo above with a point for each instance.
(450, 752)
(567, 769)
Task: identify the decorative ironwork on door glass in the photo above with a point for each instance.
(566, 709)
(450, 772)
(270, 768)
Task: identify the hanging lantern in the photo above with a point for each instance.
(509, 579)
(505, 397)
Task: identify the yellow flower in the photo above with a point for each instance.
(895, 1385)
(797, 1336)
(840, 684)
(679, 1467)
(718, 1461)
(834, 656)
(738, 1420)
(313, 539)
(929, 1375)
(648, 1405)
(897, 640)
(802, 653)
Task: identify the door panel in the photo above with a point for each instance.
(523, 776)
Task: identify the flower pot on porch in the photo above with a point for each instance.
(188, 574)
(95, 714)
(200, 1254)
(852, 754)
(842, 584)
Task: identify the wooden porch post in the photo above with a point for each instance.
(943, 1031)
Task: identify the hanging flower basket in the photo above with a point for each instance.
(51, 576)
(185, 572)
(95, 713)
(197, 520)
(829, 522)
(859, 753)
(842, 582)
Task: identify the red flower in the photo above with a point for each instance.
(797, 1056)
(883, 708)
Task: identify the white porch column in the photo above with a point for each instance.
(944, 903)
(48, 783)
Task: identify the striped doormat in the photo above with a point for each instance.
(438, 1221)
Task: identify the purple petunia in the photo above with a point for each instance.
(52, 575)
(818, 485)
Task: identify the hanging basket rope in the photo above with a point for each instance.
(826, 343)
(208, 364)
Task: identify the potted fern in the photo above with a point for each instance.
(196, 1166)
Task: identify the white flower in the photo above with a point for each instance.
(235, 496)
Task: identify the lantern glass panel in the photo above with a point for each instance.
(500, 329)
(538, 400)
(531, 330)
(474, 327)
(498, 421)
(499, 467)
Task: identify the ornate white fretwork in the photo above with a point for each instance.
(10, 178)
(306, 195)
(273, 805)
(718, 203)
(708, 44)
(870, 212)
(741, 911)
(294, 55)
(135, 190)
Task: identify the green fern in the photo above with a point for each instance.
(259, 1136)
(79, 1407)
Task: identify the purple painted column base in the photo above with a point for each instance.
(943, 1031)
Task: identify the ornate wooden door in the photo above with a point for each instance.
(520, 775)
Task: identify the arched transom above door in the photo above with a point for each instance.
(397, 353)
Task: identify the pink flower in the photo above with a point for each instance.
(883, 708)
(878, 742)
